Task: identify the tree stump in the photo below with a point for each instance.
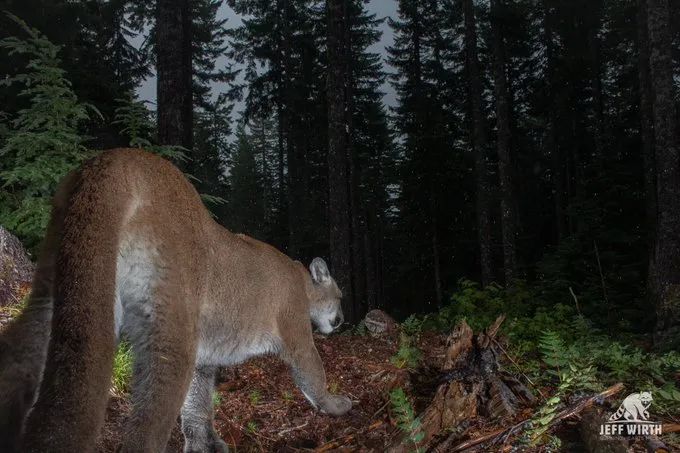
(472, 384)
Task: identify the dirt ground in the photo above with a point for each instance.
(260, 409)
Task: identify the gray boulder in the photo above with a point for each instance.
(16, 269)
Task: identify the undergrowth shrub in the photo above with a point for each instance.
(407, 356)
(405, 417)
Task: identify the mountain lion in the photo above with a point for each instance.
(131, 253)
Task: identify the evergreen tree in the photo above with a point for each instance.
(665, 267)
(282, 47)
(43, 142)
(263, 138)
(371, 153)
(246, 213)
(427, 151)
(480, 141)
(173, 51)
(503, 144)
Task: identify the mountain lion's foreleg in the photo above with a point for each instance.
(310, 377)
(164, 359)
(197, 415)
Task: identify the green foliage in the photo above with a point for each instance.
(407, 356)
(287, 396)
(412, 325)
(135, 121)
(122, 368)
(255, 396)
(251, 427)
(405, 417)
(216, 398)
(43, 141)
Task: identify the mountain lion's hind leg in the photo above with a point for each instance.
(310, 377)
(197, 415)
(164, 359)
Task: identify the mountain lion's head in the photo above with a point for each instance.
(325, 308)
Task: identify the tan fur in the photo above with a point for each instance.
(138, 250)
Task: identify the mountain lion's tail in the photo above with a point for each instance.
(71, 404)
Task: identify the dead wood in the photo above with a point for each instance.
(655, 445)
(503, 433)
(472, 384)
(589, 428)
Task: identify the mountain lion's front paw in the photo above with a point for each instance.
(336, 405)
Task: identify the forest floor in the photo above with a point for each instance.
(259, 409)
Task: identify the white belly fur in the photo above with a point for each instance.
(136, 274)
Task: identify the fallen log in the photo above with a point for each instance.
(569, 412)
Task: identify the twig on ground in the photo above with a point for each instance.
(284, 431)
(382, 408)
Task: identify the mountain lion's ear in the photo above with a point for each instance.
(319, 271)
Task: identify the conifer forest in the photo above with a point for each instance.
(494, 184)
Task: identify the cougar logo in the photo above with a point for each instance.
(131, 253)
(634, 408)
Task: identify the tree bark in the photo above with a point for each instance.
(552, 147)
(339, 174)
(174, 73)
(665, 275)
(596, 78)
(508, 202)
(646, 124)
(480, 143)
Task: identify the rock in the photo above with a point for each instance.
(16, 269)
(378, 322)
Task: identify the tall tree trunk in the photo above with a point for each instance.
(174, 73)
(596, 78)
(552, 146)
(646, 125)
(480, 142)
(436, 265)
(358, 273)
(665, 273)
(508, 202)
(290, 124)
(339, 174)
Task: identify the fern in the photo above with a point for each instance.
(405, 417)
(553, 350)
